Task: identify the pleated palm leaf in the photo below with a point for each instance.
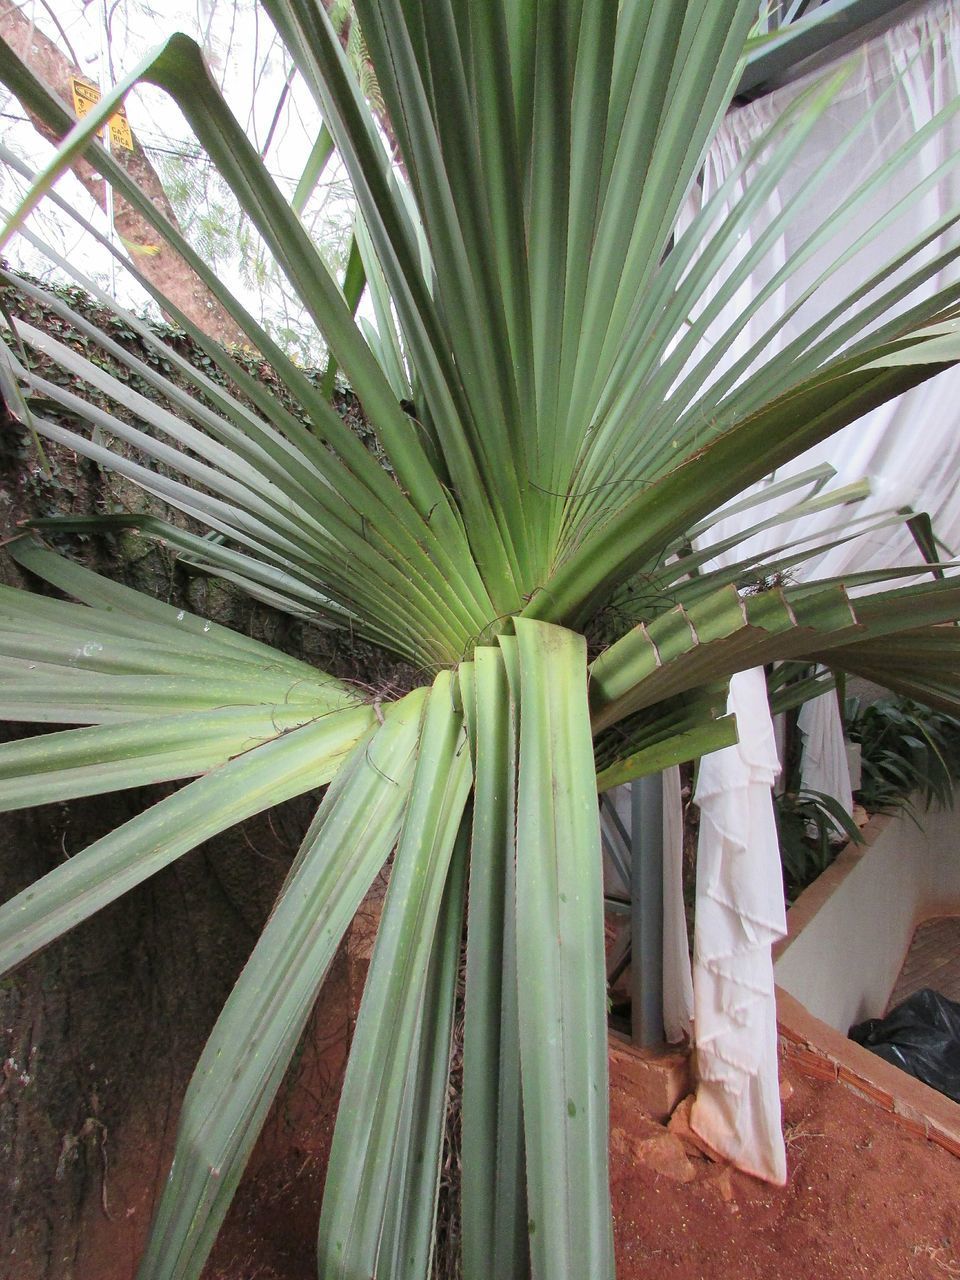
(554, 433)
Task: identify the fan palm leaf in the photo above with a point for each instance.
(553, 431)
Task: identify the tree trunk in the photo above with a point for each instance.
(164, 268)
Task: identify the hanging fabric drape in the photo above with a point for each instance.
(910, 452)
(825, 766)
(740, 914)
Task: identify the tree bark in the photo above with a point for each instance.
(163, 267)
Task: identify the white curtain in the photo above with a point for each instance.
(908, 450)
(740, 914)
(824, 765)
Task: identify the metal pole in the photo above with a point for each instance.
(646, 895)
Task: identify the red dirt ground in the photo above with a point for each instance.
(864, 1198)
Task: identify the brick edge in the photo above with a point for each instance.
(819, 1052)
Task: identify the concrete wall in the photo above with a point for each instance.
(850, 931)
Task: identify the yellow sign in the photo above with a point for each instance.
(86, 96)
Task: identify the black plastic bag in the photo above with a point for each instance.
(921, 1036)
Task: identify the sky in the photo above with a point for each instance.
(106, 38)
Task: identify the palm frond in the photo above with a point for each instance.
(562, 413)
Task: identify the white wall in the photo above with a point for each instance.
(850, 931)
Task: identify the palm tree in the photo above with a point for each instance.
(553, 432)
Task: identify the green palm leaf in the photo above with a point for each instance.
(493, 1189)
(560, 961)
(363, 1178)
(250, 1047)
